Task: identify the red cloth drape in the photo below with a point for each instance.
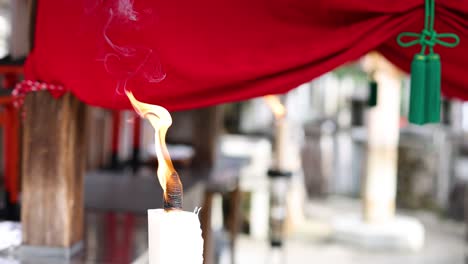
(212, 51)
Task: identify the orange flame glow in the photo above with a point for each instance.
(275, 105)
(161, 120)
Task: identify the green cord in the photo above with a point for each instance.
(428, 36)
(431, 5)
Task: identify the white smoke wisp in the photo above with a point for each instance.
(125, 61)
(125, 9)
(125, 51)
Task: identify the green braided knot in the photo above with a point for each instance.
(428, 38)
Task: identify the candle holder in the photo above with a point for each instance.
(279, 184)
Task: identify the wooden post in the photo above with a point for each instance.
(53, 166)
(116, 122)
(136, 143)
(207, 233)
(23, 16)
(206, 131)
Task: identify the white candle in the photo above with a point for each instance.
(281, 129)
(174, 237)
(281, 134)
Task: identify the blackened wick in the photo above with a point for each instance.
(173, 194)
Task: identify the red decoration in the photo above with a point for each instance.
(24, 87)
(212, 51)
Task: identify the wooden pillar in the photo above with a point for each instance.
(136, 143)
(206, 131)
(116, 123)
(207, 233)
(23, 16)
(53, 166)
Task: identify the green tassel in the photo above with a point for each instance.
(373, 92)
(417, 93)
(432, 88)
(429, 76)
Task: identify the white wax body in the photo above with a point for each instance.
(281, 141)
(174, 237)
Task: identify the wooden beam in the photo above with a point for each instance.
(53, 165)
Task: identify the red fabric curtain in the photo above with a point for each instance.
(187, 54)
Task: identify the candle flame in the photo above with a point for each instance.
(161, 120)
(275, 105)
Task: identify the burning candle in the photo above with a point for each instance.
(281, 127)
(174, 235)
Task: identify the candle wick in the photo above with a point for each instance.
(197, 210)
(173, 193)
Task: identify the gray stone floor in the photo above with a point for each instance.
(311, 242)
(110, 237)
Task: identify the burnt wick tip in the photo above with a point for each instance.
(174, 192)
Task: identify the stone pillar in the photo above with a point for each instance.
(379, 189)
(377, 227)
